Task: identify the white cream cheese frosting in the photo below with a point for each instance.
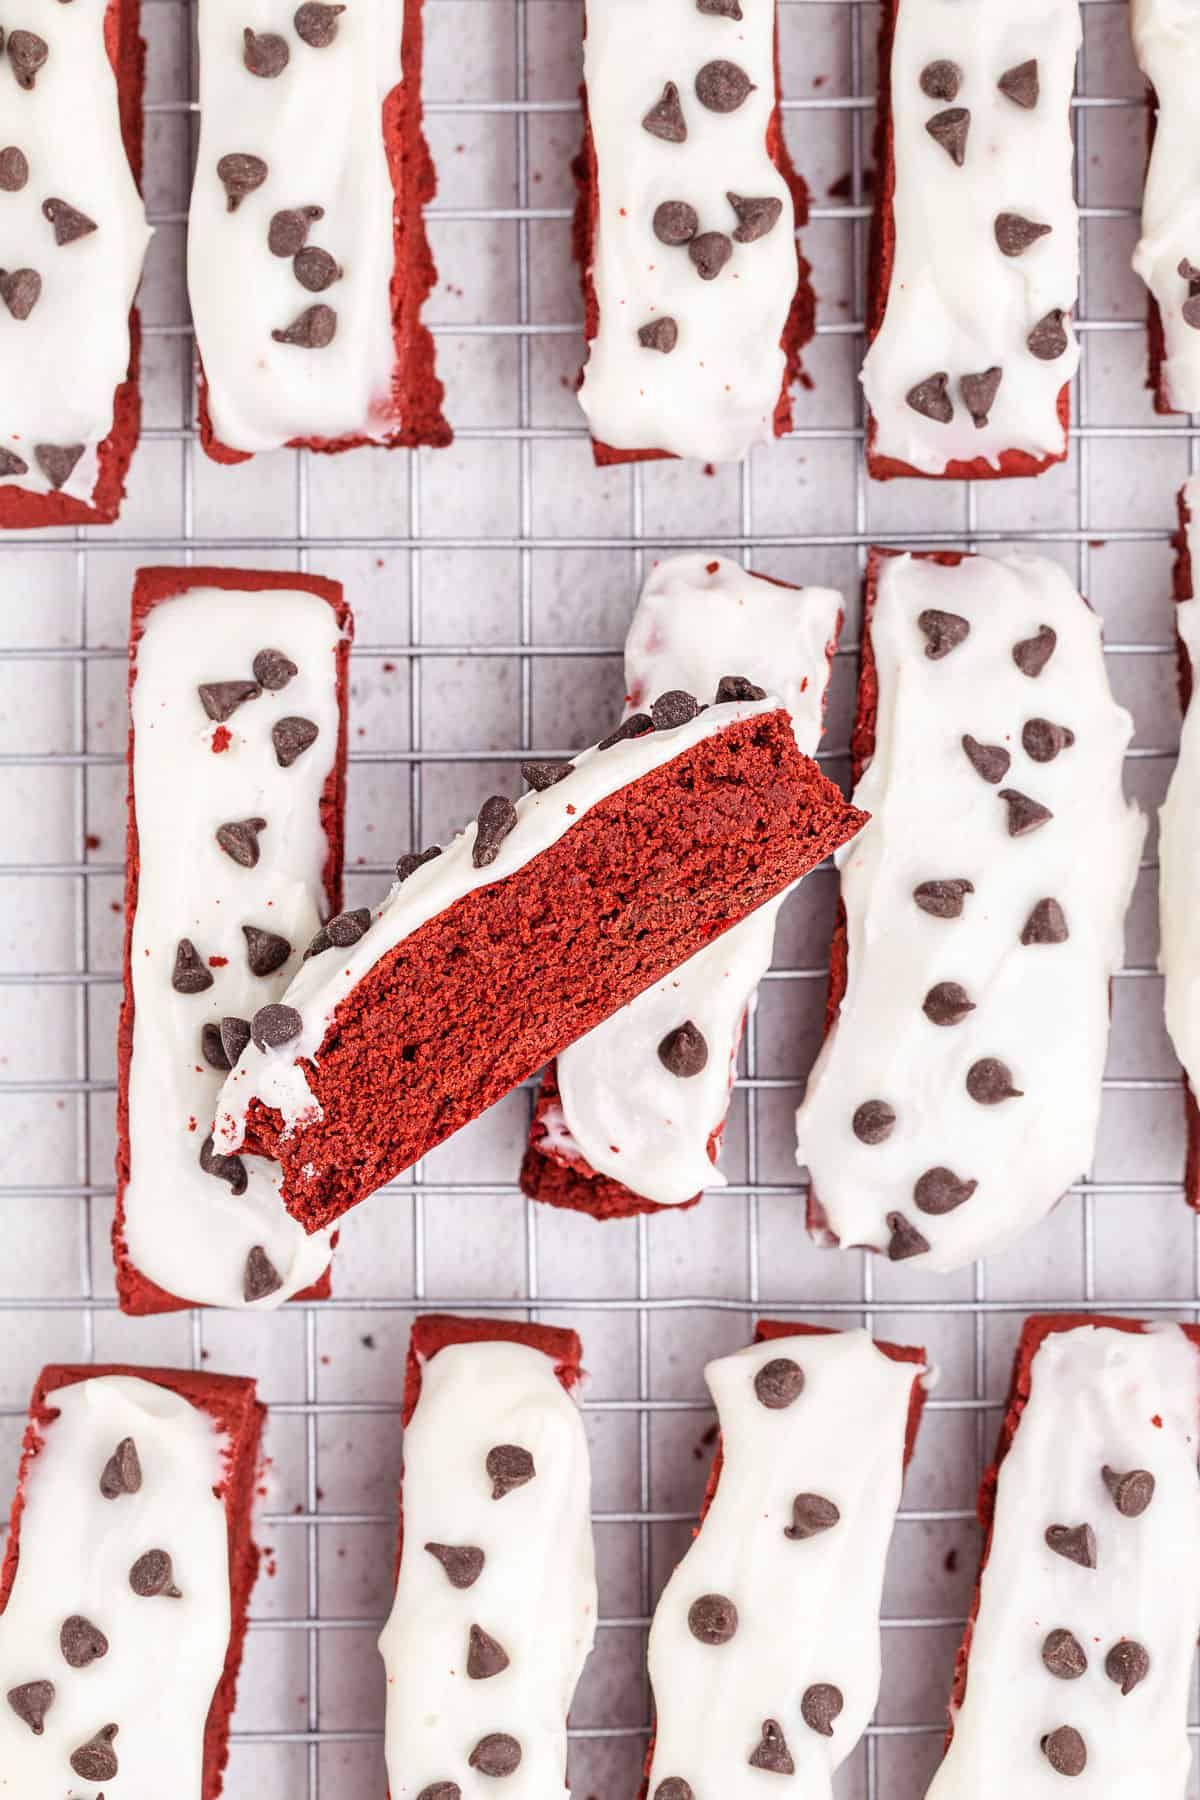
(186, 1229)
(61, 364)
(1029, 944)
(713, 394)
(164, 1657)
(317, 126)
(807, 1607)
(1179, 844)
(699, 618)
(957, 305)
(534, 1597)
(1100, 1399)
(1166, 42)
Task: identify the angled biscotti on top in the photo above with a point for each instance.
(958, 1091)
(975, 255)
(1179, 842)
(237, 698)
(495, 1605)
(489, 957)
(1166, 42)
(630, 1117)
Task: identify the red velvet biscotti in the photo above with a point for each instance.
(237, 747)
(1166, 42)
(308, 262)
(538, 921)
(1179, 952)
(130, 1537)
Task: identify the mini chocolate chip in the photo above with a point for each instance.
(779, 1383)
(1015, 233)
(1064, 1655)
(723, 9)
(485, 1657)
(989, 1081)
(1046, 924)
(943, 899)
(509, 1466)
(81, 1642)
(1190, 312)
(1032, 654)
(675, 707)
(31, 1702)
(1128, 1664)
(189, 975)
(275, 1025)
(221, 699)
(930, 398)
(675, 222)
(239, 174)
(811, 1515)
(1131, 1492)
(151, 1575)
(211, 1047)
(56, 461)
(756, 216)
(1077, 1543)
(97, 1760)
(941, 80)
(820, 1706)
(675, 1787)
(266, 951)
(1065, 1751)
(1020, 83)
(28, 53)
(441, 1790)
(736, 687)
(949, 129)
(122, 1473)
(315, 269)
(345, 928)
(905, 1239)
(287, 233)
(11, 463)
(978, 392)
(943, 631)
(543, 775)
(260, 1277)
(292, 737)
(68, 222)
(235, 1035)
(272, 669)
(939, 1191)
(264, 54)
(1048, 339)
(771, 1752)
(1042, 740)
(316, 23)
(238, 838)
(709, 253)
(226, 1168)
(636, 725)
(497, 1754)
(722, 86)
(947, 1003)
(989, 760)
(463, 1563)
(410, 862)
(665, 119)
(313, 329)
(873, 1121)
(659, 334)
(1024, 815)
(494, 820)
(14, 169)
(684, 1051)
(20, 289)
(712, 1619)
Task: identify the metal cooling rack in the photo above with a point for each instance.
(488, 602)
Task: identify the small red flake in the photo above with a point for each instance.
(570, 809)
(191, 1124)
(218, 962)
(711, 568)
(708, 469)
(389, 668)
(820, 80)
(615, 1149)
(623, 213)
(804, 685)
(222, 737)
(950, 1561)
(114, 906)
(1156, 1421)
(92, 841)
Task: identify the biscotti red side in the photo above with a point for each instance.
(1184, 589)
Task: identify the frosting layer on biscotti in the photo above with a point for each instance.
(958, 1092)
(693, 263)
(977, 257)
(1166, 42)
(1080, 1656)
(1179, 839)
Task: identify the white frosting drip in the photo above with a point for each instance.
(714, 396)
(62, 365)
(536, 1594)
(1042, 1009)
(165, 1656)
(955, 302)
(699, 618)
(808, 1610)
(318, 127)
(1166, 42)
(1099, 1397)
(1179, 846)
(186, 1229)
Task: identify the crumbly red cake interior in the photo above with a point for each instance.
(1184, 590)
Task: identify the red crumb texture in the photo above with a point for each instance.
(883, 249)
(801, 320)
(136, 1292)
(19, 509)
(481, 996)
(231, 1404)
(417, 394)
(764, 1331)
(1185, 590)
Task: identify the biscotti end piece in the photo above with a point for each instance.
(1166, 43)
(1179, 952)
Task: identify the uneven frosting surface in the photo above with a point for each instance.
(699, 618)
(713, 396)
(61, 365)
(1179, 847)
(1040, 1008)
(317, 126)
(165, 1656)
(186, 1229)
(956, 304)
(1100, 1397)
(535, 1595)
(1166, 41)
(807, 1608)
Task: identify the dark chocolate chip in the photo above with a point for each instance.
(636, 725)
(260, 1277)
(675, 707)
(189, 976)
(28, 53)
(1046, 924)
(820, 1706)
(313, 329)
(665, 118)
(11, 463)
(97, 1760)
(989, 760)
(709, 253)
(239, 174)
(978, 392)
(497, 1754)
(543, 775)
(930, 398)
(1131, 1492)
(265, 53)
(14, 169)
(940, 1191)
(272, 669)
(736, 687)
(494, 820)
(949, 129)
(68, 222)
(943, 899)
(20, 289)
(1024, 815)
(905, 1239)
(463, 1563)
(811, 1515)
(771, 1752)
(779, 1383)
(1032, 654)
(722, 86)
(1065, 1751)
(221, 699)
(1043, 741)
(712, 1619)
(943, 631)
(315, 269)
(226, 1168)
(675, 222)
(31, 1702)
(1128, 1664)
(1077, 1543)
(151, 1575)
(684, 1051)
(316, 23)
(211, 1047)
(1015, 233)
(287, 233)
(941, 80)
(292, 737)
(756, 216)
(56, 461)
(947, 1003)
(81, 1642)
(345, 928)
(675, 1787)
(122, 1473)
(1048, 339)
(873, 1122)
(275, 1025)
(659, 334)
(723, 9)
(485, 1657)
(989, 1081)
(238, 838)
(235, 1035)
(509, 1466)
(441, 1790)
(266, 951)
(1190, 312)
(1064, 1655)
(1020, 83)
(410, 862)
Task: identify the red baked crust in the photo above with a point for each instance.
(800, 323)
(136, 1292)
(882, 253)
(1156, 337)
(231, 1403)
(417, 393)
(478, 998)
(1184, 590)
(20, 509)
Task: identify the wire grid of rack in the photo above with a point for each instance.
(492, 583)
